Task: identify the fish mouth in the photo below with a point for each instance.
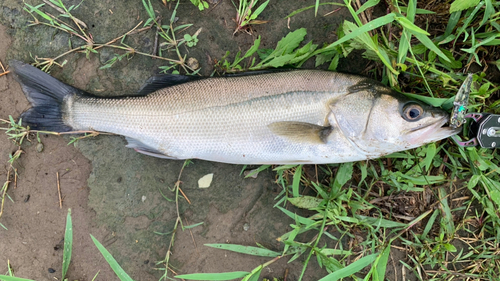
(433, 132)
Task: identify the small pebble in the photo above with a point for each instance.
(193, 63)
(51, 270)
(246, 227)
(39, 147)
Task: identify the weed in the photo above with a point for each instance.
(201, 4)
(16, 132)
(191, 41)
(68, 247)
(438, 204)
(465, 182)
(77, 28)
(285, 53)
(246, 15)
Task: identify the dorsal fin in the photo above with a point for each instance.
(161, 81)
(257, 72)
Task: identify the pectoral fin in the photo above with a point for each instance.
(301, 131)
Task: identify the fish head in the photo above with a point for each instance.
(382, 122)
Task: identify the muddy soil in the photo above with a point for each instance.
(113, 192)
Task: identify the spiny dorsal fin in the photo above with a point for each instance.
(161, 81)
(301, 131)
(368, 85)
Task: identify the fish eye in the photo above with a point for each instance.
(412, 112)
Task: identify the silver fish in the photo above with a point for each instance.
(301, 116)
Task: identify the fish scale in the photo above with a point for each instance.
(225, 132)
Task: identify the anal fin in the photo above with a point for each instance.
(301, 131)
(140, 147)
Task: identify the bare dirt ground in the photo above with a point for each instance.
(112, 191)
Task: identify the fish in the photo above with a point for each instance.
(266, 117)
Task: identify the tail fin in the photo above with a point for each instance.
(46, 95)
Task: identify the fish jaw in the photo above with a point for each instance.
(432, 133)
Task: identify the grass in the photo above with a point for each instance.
(436, 206)
(68, 247)
(77, 29)
(462, 183)
(246, 15)
(200, 4)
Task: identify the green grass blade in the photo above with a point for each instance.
(447, 218)
(469, 19)
(431, 151)
(452, 23)
(412, 10)
(193, 225)
(214, 276)
(40, 13)
(348, 4)
(12, 278)
(429, 44)
(381, 264)
(316, 6)
(407, 24)
(459, 5)
(344, 174)
(489, 10)
(417, 11)
(366, 5)
(68, 244)
(429, 225)
(253, 276)
(296, 181)
(436, 102)
(149, 9)
(305, 202)
(380, 222)
(300, 219)
(351, 269)
(284, 167)
(258, 170)
(95, 276)
(249, 250)
(259, 10)
(122, 275)
(357, 32)
(310, 7)
(403, 46)
(404, 42)
(286, 45)
(253, 49)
